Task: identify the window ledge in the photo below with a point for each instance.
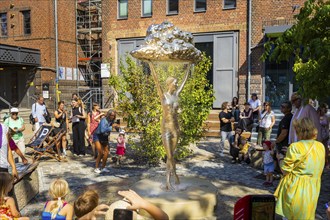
(122, 18)
(199, 11)
(146, 16)
(229, 8)
(172, 13)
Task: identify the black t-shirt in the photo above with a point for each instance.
(284, 124)
(225, 126)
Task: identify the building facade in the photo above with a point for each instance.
(91, 32)
(30, 24)
(219, 29)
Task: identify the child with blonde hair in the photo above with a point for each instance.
(244, 150)
(58, 208)
(121, 147)
(8, 208)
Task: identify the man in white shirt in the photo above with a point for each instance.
(303, 111)
(39, 112)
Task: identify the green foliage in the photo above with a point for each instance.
(138, 99)
(309, 41)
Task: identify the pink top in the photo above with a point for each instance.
(121, 141)
(93, 123)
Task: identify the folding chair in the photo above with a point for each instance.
(43, 143)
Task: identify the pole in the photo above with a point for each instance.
(57, 92)
(249, 50)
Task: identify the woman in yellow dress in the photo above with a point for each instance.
(299, 189)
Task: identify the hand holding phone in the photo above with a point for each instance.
(122, 214)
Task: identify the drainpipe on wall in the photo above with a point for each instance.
(249, 49)
(57, 92)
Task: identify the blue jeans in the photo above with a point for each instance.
(224, 135)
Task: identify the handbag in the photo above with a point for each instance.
(258, 126)
(299, 162)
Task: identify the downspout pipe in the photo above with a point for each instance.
(57, 92)
(249, 49)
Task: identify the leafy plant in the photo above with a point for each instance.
(309, 42)
(138, 100)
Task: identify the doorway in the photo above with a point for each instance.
(279, 82)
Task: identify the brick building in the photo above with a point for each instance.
(30, 25)
(220, 29)
(273, 81)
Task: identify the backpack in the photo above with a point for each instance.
(31, 119)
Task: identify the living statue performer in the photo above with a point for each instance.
(170, 125)
(165, 42)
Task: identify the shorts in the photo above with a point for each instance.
(269, 167)
(101, 138)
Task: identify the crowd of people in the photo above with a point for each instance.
(299, 153)
(86, 206)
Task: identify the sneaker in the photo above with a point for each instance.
(105, 170)
(97, 170)
(81, 155)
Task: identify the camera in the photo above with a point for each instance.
(122, 214)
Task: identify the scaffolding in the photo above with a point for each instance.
(89, 41)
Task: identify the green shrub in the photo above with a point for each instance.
(138, 100)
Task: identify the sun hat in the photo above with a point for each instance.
(122, 132)
(14, 110)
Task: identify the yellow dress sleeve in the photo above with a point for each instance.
(290, 158)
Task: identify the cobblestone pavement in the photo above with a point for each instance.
(232, 180)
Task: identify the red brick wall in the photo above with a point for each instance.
(215, 19)
(267, 13)
(42, 33)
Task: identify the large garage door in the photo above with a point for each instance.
(224, 68)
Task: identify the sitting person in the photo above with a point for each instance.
(234, 142)
(86, 206)
(244, 150)
(246, 118)
(8, 208)
(58, 208)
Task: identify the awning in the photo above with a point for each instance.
(19, 55)
(275, 31)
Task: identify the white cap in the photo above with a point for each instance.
(122, 132)
(14, 110)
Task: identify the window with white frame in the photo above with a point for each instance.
(172, 7)
(146, 8)
(122, 9)
(26, 22)
(200, 5)
(229, 4)
(3, 25)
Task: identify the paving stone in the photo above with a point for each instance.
(233, 180)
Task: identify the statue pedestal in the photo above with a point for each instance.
(193, 198)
